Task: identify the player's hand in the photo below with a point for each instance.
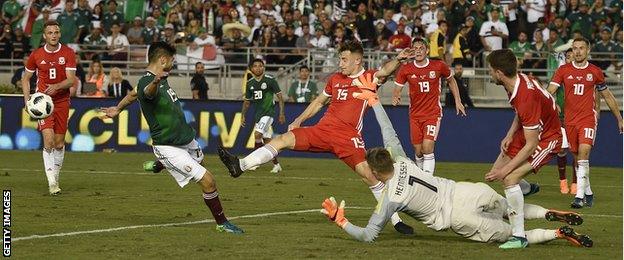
(505, 143)
(495, 175)
(368, 82)
(281, 118)
(396, 99)
(161, 76)
(334, 212)
(243, 121)
(295, 124)
(406, 54)
(620, 126)
(460, 109)
(52, 88)
(109, 112)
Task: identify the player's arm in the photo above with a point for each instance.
(244, 110)
(613, 106)
(310, 111)
(26, 85)
(111, 112)
(151, 89)
(280, 101)
(459, 105)
(552, 88)
(390, 138)
(389, 68)
(65, 84)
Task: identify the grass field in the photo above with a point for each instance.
(102, 191)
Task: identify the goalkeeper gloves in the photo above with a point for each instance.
(368, 85)
(334, 212)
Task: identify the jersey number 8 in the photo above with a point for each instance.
(52, 73)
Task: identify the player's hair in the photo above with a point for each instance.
(304, 67)
(379, 160)
(159, 49)
(582, 39)
(50, 23)
(352, 46)
(254, 61)
(503, 60)
(197, 63)
(421, 40)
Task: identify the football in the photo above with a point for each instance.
(39, 106)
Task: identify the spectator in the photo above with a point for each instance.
(37, 28)
(461, 49)
(199, 86)
(160, 19)
(390, 24)
(541, 26)
(194, 29)
(558, 26)
(304, 40)
(521, 48)
(135, 33)
(603, 46)
(170, 4)
(80, 73)
(437, 41)
(473, 38)
(458, 13)
(12, 12)
(16, 80)
(540, 53)
(281, 30)
(462, 85)
(5, 42)
(493, 33)
(430, 15)
(495, 5)
(581, 21)
(365, 27)
(320, 40)
(174, 19)
(150, 33)
(234, 42)
(118, 87)
(69, 20)
(21, 43)
(554, 9)
(98, 13)
(169, 36)
(535, 10)
(417, 28)
(303, 90)
(96, 81)
(598, 11)
(95, 42)
(381, 30)
(400, 40)
(554, 41)
(84, 19)
(289, 41)
(117, 44)
(111, 17)
(615, 12)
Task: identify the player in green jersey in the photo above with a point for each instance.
(260, 90)
(173, 139)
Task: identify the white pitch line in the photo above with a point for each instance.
(172, 224)
(248, 176)
(602, 216)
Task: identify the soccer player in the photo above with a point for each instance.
(338, 131)
(472, 210)
(173, 139)
(55, 65)
(580, 80)
(260, 90)
(424, 77)
(532, 140)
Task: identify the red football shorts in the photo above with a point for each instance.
(543, 153)
(421, 129)
(345, 143)
(580, 133)
(58, 119)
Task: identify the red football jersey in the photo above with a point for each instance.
(579, 85)
(344, 107)
(51, 67)
(425, 83)
(535, 108)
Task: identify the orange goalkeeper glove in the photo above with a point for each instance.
(334, 212)
(368, 85)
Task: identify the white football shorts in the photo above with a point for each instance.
(182, 162)
(264, 126)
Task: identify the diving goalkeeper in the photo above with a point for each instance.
(472, 210)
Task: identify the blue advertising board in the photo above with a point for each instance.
(475, 138)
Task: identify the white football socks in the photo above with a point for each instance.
(582, 178)
(428, 163)
(532, 211)
(48, 165)
(59, 156)
(588, 190)
(377, 190)
(515, 211)
(258, 157)
(419, 161)
(536, 236)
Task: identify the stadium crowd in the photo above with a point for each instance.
(457, 30)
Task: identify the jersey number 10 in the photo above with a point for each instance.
(578, 89)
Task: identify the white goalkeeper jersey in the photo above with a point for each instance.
(414, 192)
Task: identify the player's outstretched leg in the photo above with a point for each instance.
(231, 162)
(569, 217)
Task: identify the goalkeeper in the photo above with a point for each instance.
(472, 210)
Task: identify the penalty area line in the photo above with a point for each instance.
(65, 234)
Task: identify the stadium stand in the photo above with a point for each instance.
(225, 35)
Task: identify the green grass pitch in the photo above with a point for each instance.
(103, 191)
